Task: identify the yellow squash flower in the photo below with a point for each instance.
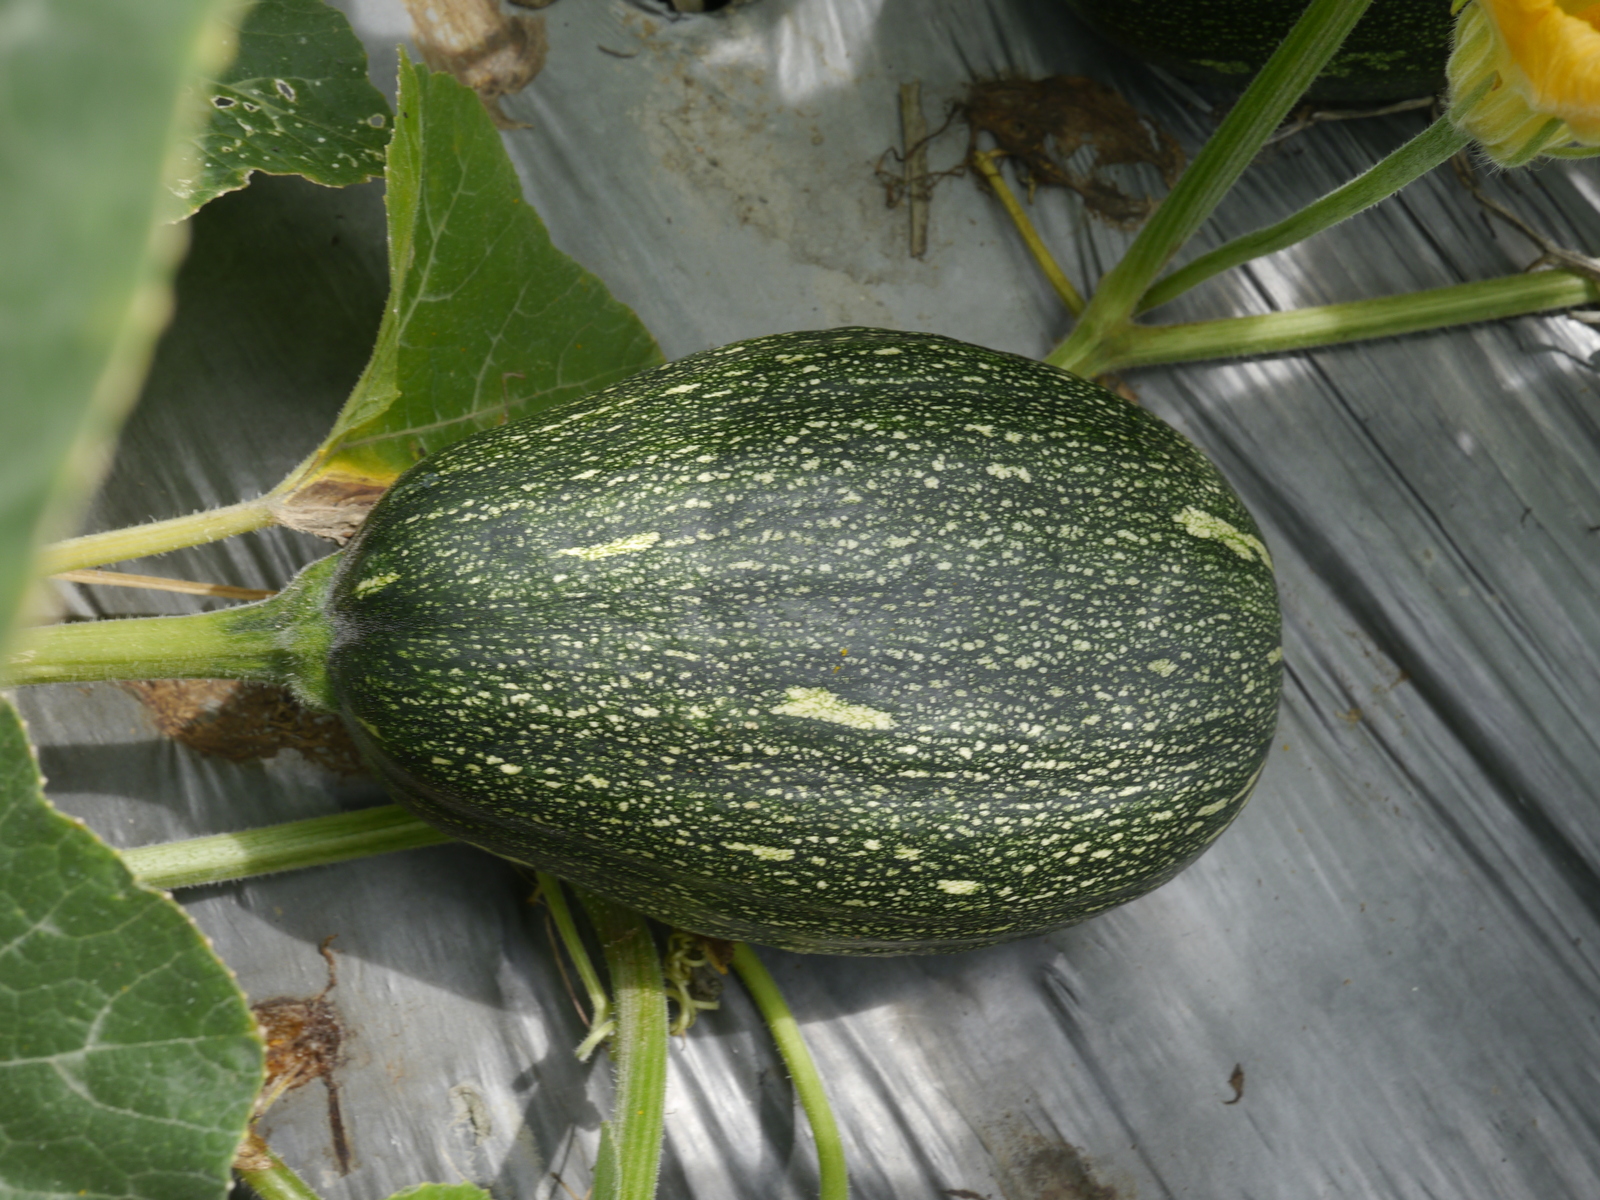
(1525, 77)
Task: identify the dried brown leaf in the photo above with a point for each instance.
(244, 722)
(1043, 123)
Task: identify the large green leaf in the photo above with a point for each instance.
(295, 101)
(486, 319)
(89, 113)
(128, 1058)
(442, 1191)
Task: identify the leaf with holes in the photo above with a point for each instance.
(296, 101)
(128, 1057)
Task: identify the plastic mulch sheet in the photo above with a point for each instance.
(1395, 952)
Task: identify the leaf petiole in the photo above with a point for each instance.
(291, 846)
(1334, 324)
(1411, 161)
(1315, 38)
(276, 1181)
(158, 537)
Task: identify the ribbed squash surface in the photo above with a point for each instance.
(852, 641)
(1396, 51)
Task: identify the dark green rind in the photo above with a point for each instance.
(1076, 691)
(1396, 51)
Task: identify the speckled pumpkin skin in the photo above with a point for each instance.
(1396, 51)
(853, 641)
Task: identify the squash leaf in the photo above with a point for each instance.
(129, 1059)
(486, 320)
(295, 101)
(90, 90)
(442, 1191)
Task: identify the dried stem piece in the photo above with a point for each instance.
(914, 136)
(159, 583)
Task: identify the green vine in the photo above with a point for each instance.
(832, 1170)
(1413, 160)
(1310, 44)
(601, 1022)
(291, 846)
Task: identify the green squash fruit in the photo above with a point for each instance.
(1396, 51)
(852, 641)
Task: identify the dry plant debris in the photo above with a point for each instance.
(493, 52)
(1044, 123)
(330, 508)
(304, 1040)
(245, 722)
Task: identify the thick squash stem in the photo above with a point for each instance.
(283, 640)
(214, 645)
(1311, 43)
(630, 1143)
